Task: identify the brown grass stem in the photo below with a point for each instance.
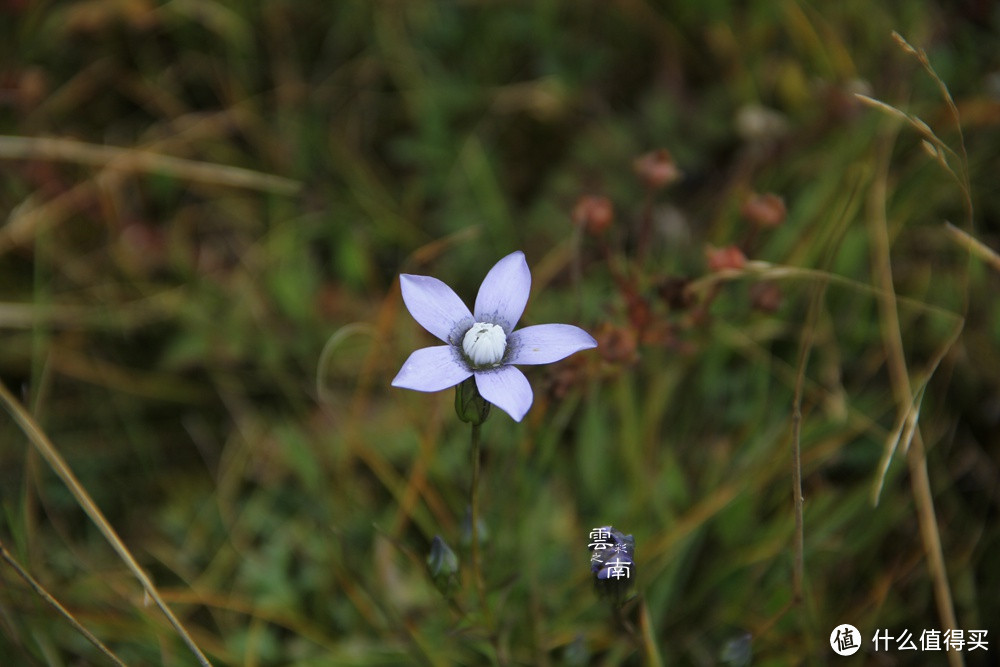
(962, 153)
(652, 652)
(974, 246)
(805, 348)
(139, 160)
(41, 441)
(52, 602)
(899, 378)
(767, 271)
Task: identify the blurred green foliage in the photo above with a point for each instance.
(214, 360)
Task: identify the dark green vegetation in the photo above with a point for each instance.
(211, 350)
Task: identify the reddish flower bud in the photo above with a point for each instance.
(594, 214)
(764, 210)
(657, 169)
(729, 257)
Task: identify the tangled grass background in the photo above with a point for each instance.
(206, 207)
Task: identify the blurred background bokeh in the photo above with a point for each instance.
(206, 205)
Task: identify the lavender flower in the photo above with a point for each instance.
(483, 345)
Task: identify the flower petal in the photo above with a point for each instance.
(506, 388)
(431, 369)
(434, 305)
(504, 292)
(545, 343)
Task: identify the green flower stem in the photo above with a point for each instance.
(474, 520)
(473, 409)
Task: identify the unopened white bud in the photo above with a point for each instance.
(484, 344)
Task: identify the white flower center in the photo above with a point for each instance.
(484, 344)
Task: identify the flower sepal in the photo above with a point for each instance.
(471, 407)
